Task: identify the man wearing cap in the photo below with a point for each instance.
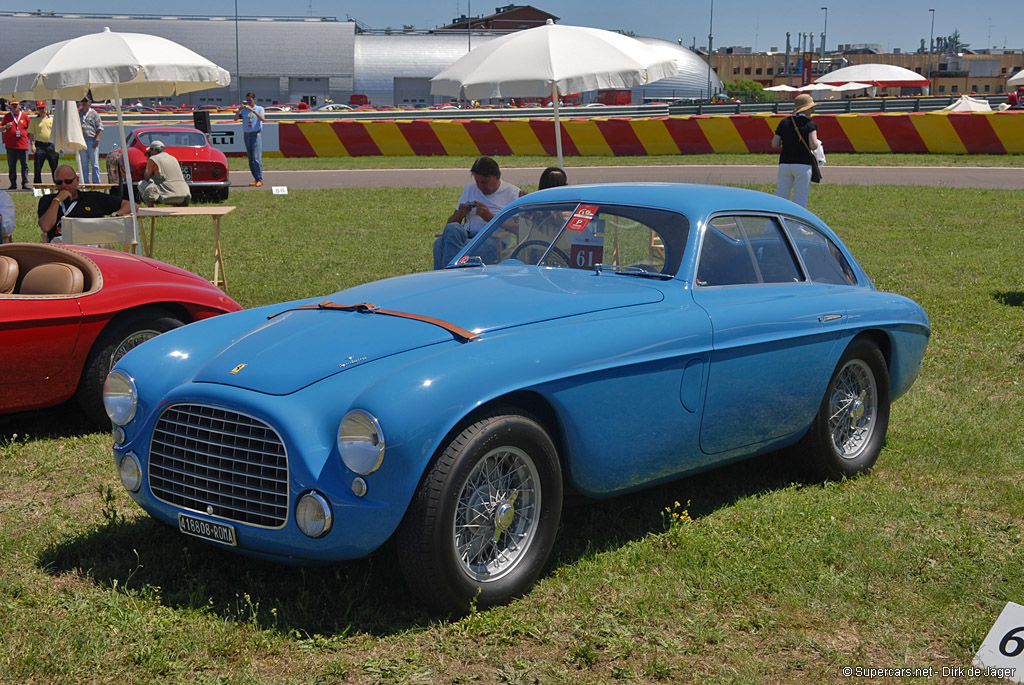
(797, 136)
(162, 181)
(70, 201)
(15, 135)
(39, 131)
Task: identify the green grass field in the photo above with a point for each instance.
(749, 573)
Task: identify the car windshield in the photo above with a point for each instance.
(173, 138)
(573, 235)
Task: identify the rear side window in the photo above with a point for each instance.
(824, 262)
(745, 250)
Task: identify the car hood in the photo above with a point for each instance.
(296, 347)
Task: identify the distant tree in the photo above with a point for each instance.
(747, 91)
(408, 28)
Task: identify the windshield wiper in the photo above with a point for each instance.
(633, 270)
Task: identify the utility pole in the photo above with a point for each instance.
(931, 43)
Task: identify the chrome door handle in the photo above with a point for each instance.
(824, 318)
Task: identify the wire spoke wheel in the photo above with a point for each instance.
(853, 409)
(497, 513)
(130, 343)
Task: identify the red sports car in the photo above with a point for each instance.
(204, 166)
(68, 313)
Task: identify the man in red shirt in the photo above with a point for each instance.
(15, 132)
(1016, 98)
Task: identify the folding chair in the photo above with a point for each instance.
(108, 230)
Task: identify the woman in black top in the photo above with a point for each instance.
(795, 158)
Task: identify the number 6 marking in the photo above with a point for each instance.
(1011, 645)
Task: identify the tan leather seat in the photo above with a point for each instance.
(8, 274)
(54, 278)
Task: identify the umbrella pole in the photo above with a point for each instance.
(558, 123)
(128, 173)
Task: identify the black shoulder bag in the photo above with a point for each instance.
(815, 170)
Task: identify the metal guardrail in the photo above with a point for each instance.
(847, 106)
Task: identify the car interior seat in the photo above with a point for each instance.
(8, 274)
(53, 278)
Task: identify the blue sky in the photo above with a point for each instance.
(755, 23)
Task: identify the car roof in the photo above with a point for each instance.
(695, 201)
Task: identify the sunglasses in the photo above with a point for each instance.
(64, 181)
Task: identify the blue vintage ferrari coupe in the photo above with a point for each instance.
(603, 338)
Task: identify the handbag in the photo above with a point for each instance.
(815, 169)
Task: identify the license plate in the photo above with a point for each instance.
(207, 530)
(186, 171)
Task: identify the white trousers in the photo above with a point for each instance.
(794, 179)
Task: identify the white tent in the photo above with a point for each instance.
(1016, 80)
(968, 104)
(880, 75)
(782, 89)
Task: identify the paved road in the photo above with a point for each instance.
(947, 177)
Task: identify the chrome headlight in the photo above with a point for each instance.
(119, 397)
(361, 442)
(313, 515)
(130, 472)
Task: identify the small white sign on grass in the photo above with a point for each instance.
(1001, 654)
(279, 190)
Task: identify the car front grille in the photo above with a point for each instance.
(221, 463)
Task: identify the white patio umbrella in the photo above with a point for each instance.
(67, 133)
(783, 88)
(1016, 80)
(553, 60)
(111, 65)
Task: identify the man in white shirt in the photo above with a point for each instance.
(480, 201)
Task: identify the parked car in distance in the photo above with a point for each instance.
(67, 313)
(205, 167)
(333, 107)
(594, 338)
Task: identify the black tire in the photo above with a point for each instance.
(849, 430)
(120, 335)
(539, 246)
(483, 521)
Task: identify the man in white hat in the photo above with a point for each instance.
(797, 136)
(163, 181)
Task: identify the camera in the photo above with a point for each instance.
(471, 205)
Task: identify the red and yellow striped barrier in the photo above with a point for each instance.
(994, 133)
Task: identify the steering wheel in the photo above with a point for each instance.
(538, 247)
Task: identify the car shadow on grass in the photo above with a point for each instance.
(1010, 298)
(140, 556)
(63, 421)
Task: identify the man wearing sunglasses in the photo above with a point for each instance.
(70, 201)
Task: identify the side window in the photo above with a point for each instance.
(824, 262)
(741, 250)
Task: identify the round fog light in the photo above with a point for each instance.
(313, 515)
(130, 472)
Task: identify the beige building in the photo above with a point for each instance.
(950, 74)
